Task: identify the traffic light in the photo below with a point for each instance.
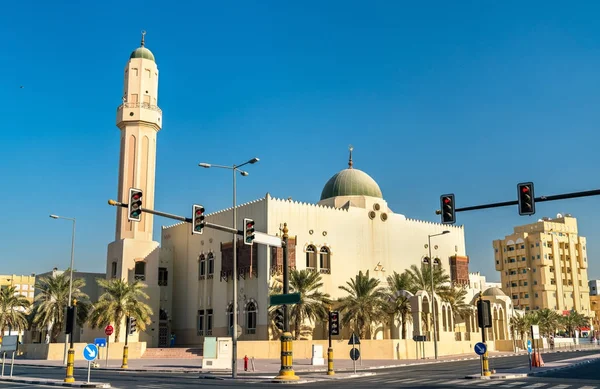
(334, 323)
(279, 318)
(134, 206)
(198, 219)
(131, 325)
(526, 198)
(447, 209)
(249, 231)
(70, 325)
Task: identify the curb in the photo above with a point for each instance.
(562, 368)
(41, 381)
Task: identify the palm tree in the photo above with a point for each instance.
(547, 319)
(456, 298)
(519, 325)
(121, 299)
(421, 279)
(313, 303)
(52, 300)
(399, 304)
(364, 304)
(573, 321)
(13, 306)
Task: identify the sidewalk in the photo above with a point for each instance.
(261, 366)
(537, 371)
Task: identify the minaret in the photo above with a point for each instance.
(139, 120)
(134, 255)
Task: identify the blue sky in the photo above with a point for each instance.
(468, 97)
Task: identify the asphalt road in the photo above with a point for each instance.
(441, 375)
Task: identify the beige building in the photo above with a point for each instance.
(25, 285)
(544, 265)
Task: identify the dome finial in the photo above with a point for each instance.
(143, 35)
(350, 163)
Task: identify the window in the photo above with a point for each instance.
(209, 322)
(211, 263)
(251, 318)
(113, 270)
(163, 275)
(324, 260)
(229, 319)
(140, 271)
(201, 267)
(311, 260)
(200, 323)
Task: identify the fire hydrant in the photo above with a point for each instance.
(245, 363)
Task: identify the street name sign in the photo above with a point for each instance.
(266, 239)
(282, 299)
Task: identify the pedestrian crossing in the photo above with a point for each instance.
(511, 384)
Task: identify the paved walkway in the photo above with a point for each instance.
(260, 365)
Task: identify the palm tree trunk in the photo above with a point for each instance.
(403, 325)
(297, 327)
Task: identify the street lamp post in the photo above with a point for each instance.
(234, 169)
(70, 276)
(435, 347)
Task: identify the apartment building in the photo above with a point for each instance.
(544, 265)
(25, 285)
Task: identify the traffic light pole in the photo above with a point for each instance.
(180, 218)
(540, 199)
(330, 370)
(126, 347)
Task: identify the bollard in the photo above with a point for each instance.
(330, 361)
(70, 366)
(486, 365)
(125, 357)
(245, 363)
(287, 370)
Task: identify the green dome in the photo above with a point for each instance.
(142, 52)
(351, 182)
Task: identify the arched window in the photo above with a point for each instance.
(311, 257)
(325, 260)
(201, 267)
(211, 263)
(139, 272)
(113, 269)
(251, 312)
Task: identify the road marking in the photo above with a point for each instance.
(512, 384)
(588, 387)
(533, 386)
(560, 387)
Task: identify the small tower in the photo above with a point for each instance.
(139, 120)
(134, 255)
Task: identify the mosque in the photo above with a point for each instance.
(350, 228)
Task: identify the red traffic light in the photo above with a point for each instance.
(249, 224)
(446, 200)
(525, 189)
(199, 211)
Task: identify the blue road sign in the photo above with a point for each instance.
(90, 352)
(480, 348)
(529, 348)
(100, 342)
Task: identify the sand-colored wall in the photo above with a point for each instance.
(370, 349)
(55, 351)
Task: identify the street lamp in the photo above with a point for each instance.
(234, 169)
(435, 347)
(70, 276)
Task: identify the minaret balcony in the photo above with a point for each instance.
(144, 112)
(139, 105)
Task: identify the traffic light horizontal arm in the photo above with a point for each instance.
(180, 218)
(540, 199)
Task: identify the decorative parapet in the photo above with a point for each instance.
(139, 105)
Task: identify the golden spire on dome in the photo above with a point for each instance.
(143, 35)
(350, 163)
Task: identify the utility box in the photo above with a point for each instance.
(317, 355)
(217, 353)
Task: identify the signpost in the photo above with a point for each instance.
(99, 342)
(422, 339)
(480, 349)
(108, 331)
(529, 349)
(90, 352)
(9, 344)
(354, 353)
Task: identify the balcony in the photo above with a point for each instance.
(140, 105)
